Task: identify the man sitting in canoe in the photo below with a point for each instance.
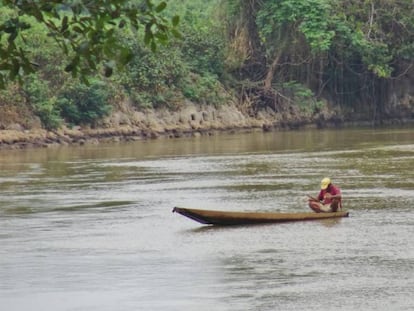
(329, 198)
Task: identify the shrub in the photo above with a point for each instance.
(302, 96)
(43, 105)
(151, 78)
(81, 104)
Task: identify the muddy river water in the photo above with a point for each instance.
(91, 228)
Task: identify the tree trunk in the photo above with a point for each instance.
(271, 72)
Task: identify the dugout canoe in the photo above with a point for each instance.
(226, 218)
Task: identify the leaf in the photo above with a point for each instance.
(85, 80)
(91, 62)
(153, 46)
(83, 47)
(148, 36)
(149, 4)
(176, 33)
(69, 67)
(72, 65)
(51, 25)
(122, 23)
(126, 56)
(108, 70)
(64, 24)
(14, 71)
(77, 29)
(12, 36)
(2, 82)
(161, 36)
(161, 7)
(175, 20)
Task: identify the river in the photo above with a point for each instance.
(91, 227)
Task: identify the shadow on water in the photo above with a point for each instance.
(217, 228)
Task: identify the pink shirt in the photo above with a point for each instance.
(333, 190)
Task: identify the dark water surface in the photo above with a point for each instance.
(91, 228)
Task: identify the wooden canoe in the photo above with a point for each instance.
(226, 218)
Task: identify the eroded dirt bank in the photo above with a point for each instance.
(128, 124)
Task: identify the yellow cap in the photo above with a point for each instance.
(325, 183)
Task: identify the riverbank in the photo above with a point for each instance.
(128, 124)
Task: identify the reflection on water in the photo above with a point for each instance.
(91, 228)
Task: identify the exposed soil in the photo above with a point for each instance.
(128, 124)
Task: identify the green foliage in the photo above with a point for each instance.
(86, 31)
(204, 43)
(14, 108)
(162, 78)
(154, 71)
(166, 77)
(43, 104)
(339, 49)
(345, 50)
(281, 19)
(204, 89)
(152, 78)
(376, 32)
(76, 103)
(204, 50)
(13, 62)
(351, 42)
(379, 33)
(81, 104)
(302, 96)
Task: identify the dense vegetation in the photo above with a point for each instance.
(86, 31)
(349, 52)
(269, 53)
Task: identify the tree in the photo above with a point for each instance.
(353, 52)
(289, 26)
(86, 31)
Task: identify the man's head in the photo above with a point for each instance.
(325, 183)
